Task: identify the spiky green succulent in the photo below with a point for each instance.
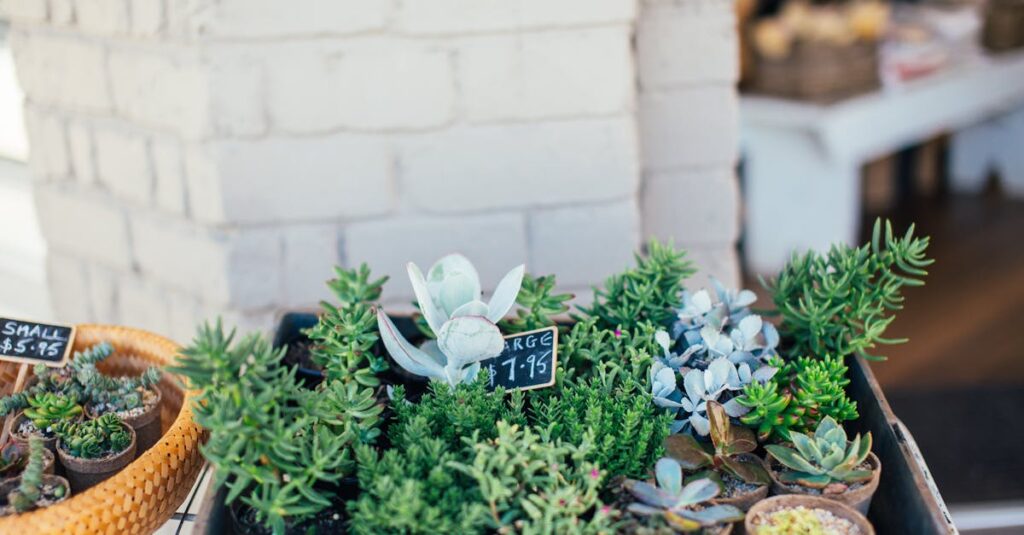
(676, 502)
(47, 409)
(450, 300)
(24, 498)
(538, 305)
(825, 458)
(93, 439)
(732, 446)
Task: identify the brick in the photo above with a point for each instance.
(720, 262)
(143, 304)
(551, 74)
(68, 281)
(122, 164)
(184, 316)
(102, 16)
(46, 64)
(62, 12)
(204, 191)
(338, 176)
(687, 43)
(348, 88)
(692, 206)
(272, 18)
(477, 168)
(234, 267)
(169, 175)
(48, 157)
(83, 153)
(310, 254)
(147, 16)
(103, 293)
(237, 94)
(689, 127)
(584, 244)
(478, 16)
(165, 90)
(24, 10)
(84, 224)
(494, 243)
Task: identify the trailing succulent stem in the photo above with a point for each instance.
(842, 302)
(29, 491)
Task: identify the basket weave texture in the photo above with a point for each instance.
(144, 495)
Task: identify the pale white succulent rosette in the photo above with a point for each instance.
(450, 299)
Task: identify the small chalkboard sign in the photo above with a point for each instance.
(528, 361)
(35, 343)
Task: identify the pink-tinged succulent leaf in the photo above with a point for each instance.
(791, 459)
(695, 492)
(687, 452)
(428, 307)
(734, 409)
(810, 481)
(669, 475)
(505, 294)
(713, 515)
(746, 469)
(741, 440)
(649, 494)
(407, 356)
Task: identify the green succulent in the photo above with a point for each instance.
(24, 498)
(772, 413)
(732, 446)
(96, 438)
(794, 521)
(538, 305)
(682, 507)
(11, 457)
(823, 459)
(47, 409)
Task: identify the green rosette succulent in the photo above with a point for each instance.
(826, 458)
(47, 409)
(93, 439)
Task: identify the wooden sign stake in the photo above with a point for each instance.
(19, 384)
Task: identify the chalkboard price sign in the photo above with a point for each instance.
(35, 343)
(528, 361)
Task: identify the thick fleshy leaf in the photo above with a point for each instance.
(813, 481)
(750, 327)
(715, 514)
(661, 337)
(470, 373)
(472, 308)
(644, 510)
(408, 356)
(833, 457)
(828, 425)
(734, 408)
(719, 424)
(808, 448)
(852, 476)
(748, 470)
(430, 348)
(741, 440)
(649, 494)
(425, 300)
(865, 448)
(687, 451)
(763, 374)
(701, 301)
(452, 281)
(790, 458)
(505, 294)
(693, 382)
(680, 522)
(667, 403)
(700, 424)
(669, 475)
(695, 492)
(469, 339)
(771, 335)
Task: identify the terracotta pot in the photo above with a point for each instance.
(838, 509)
(859, 499)
(746, 501)
(16, 469)
(84, 473)
(146, 425)
(22, 441)
(11, 484)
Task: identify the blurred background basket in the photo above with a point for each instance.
(818, 72)
(1004, 25)
(144, 495)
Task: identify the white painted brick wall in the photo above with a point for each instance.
(689, 127)
(310, 254)
(692, 206)
(441, 17)
(67, 277)
(102, 16)
(274, 18)
(83, 152)
(147, 16)
(164, 90)
(687, 43)
(169, 174)
(84, 224)
(47, 135)
(568, 73)
(24, 10)
(522, 164)
(62, 71)
(142, 305)
(62, 12)
(123, 164)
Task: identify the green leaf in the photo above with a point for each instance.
(791, 459)
(687, 451)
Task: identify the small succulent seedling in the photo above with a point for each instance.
(450, 300)
(731, 446)
(825, 459)
(46, 409)
(680, 506)
(93, 439)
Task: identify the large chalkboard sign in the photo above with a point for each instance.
(528, 361)
(34, 343)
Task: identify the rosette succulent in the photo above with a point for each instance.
(732, 446)
(449, 298)
(93, 439)
(47, 409)
(680, 506)
(826, 459)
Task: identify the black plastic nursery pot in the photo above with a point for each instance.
(907, 500)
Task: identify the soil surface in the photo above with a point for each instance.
(149, 399)
(330, 520)
(26, 429)
(830, 523)
(50, 494)
(736, 487)
(299, 354)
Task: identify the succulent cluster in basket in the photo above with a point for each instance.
(664, 406)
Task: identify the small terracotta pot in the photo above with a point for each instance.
(22, 451)
(11, 484)
(22, 441)
(746, 501)
(84, 473)
(788, 501)
(859, 499)
(146, 425)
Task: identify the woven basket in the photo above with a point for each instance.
(819, 72)
(1004, 25)
(144, 495)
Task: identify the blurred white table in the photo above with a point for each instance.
(803, 161)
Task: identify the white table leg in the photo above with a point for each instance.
(798, 197)
(972, 156)
(1010, 153)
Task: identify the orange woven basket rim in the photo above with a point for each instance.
(128, 502)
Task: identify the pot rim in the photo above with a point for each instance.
(837, 508)
(100, 465)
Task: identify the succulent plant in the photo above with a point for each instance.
(538, 305)
(24, 498)
(47, 409)
(772, 412)
(798, 520)
(465, 326)
(731, 446)
(681, 506)
(11, 458)
(825, 459)
(93, 439)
